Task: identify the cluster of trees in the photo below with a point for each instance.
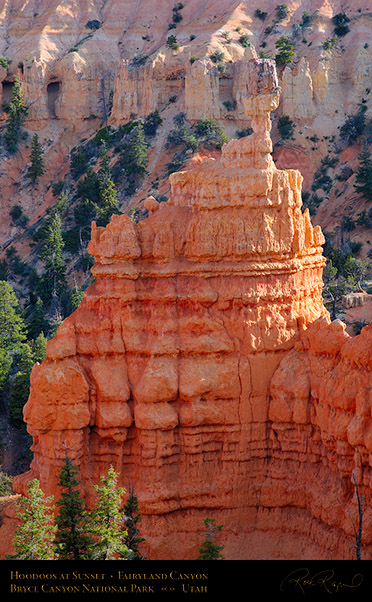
(342, 274)
(18, 354)
(109, 531)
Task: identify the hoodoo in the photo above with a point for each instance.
(200, 365)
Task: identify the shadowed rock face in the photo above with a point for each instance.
(190, 367)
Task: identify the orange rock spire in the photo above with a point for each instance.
(164, 370)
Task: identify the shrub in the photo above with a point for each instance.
(354, 125)
(341, 21)
(18, 217)
(176, 163)
(93, 24)
(329, 43)
(245, 41)
(306, 18)
(193, 59)
(311, 202)
(78, 163)
(243, 133)
(230, 105)
(281, 11)
(177, 17)
(217, 56)
(355, 246)
(226, 36)
(172, 42)
(4, 63)
(286, 127)
(285, 54)
(139, 59)
(358, 325)
(57, 187)
(151, 123)
(260, 14)
(211, 132)
(5, 484)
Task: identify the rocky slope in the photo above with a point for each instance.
(75, 62)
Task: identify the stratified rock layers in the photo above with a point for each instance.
(165, 369)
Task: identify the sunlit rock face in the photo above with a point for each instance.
(164, 371)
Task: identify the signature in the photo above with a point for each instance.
(302, 579)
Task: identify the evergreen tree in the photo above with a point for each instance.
(135, 158)
(76, 297)
(12, 327)
(106, 521)
(71, 540)
(54, 279)
(12, 332)
(34, 538)
(209, 550)
(285, 48)
(36, 322)
(132, 517)
(16, 110)
(36, 168)
(363, 177)
(20, 385)
(39, 348)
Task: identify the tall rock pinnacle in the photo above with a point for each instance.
(164, 370)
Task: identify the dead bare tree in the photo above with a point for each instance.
(358, 532)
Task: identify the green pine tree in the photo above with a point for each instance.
(209, 550)
(132, 517)
(285, 48)
(54, 278)
(135, 158)
(71, 540)
(363, 177)
(36, 168)
(20, 385)
(12, 332)
(108, 200)
(17, 111)
(39, 348)
(36, 321)
(77, 296)
(12, 327)
(34, 538)
(106, 521)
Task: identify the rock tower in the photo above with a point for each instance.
(164, 370)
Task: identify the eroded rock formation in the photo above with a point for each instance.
(164, 370)
(202, 365)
